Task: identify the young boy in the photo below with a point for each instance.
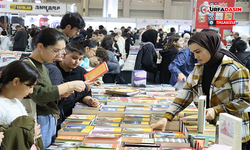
(242, 54)
(71, 71)
(100, 56)
(95, 37)
(71, 24)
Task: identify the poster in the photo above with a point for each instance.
(219, 16)
(201, 17)
(226, 33)
(228, 16)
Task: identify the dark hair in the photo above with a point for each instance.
(125, 35)
(194, 30)
(170, 44)
(34, 31)
(104, 32)
(114, 34)
(129, 27)
(240, 46)
(19, 69)
(107, 42)
(89, 43)
(95, 33)
(48, 36)
(43, 27)
(206, 30)
(236, 33)
(102, 53)
(25, 28)
(90, 27)
(101, 27)
(73, 19)
(172, 29)
(126, 30)
(75, 47)
(122, 27)
(3, 32)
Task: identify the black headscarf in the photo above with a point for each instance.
(150, 36)
(212, 42)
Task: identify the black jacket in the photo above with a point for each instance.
(232, 48)
(146, 60)
(75, 74)
(244, 57)
(20, 40)
(167, 57)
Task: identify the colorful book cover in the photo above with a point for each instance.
(60, 145)
(138, 140)
(107, 119)
(77, 122)
(85, 117)
(107, 129)
(137, 109)
(169, 135)
(69, 138)
(135, 119)
(140, 116)
(146, 130)
(104, 135)
(112, 109)
(136, 122)
(98, 145)
(96, 72)
(110, 124)
(136, 135)
(85, 129)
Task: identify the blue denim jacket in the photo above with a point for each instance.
(184, 62)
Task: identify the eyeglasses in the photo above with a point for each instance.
(57, 53)
(77, 30)
(93, 50)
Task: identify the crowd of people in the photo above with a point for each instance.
(51, 80)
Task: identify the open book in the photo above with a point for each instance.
(96, 72)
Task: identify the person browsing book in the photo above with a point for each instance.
(48, 45)
(71, 71)
(221, 76)
(90, 48)
(20, 131)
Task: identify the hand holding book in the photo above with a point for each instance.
(1, 137)
(92, 102)
(210, 114)
(161, 123)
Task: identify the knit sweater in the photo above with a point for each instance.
(44, 94)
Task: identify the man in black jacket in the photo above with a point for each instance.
(236, 39)
(242, 54)
(20, 39)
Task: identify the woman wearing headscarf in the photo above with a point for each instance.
(171, 48)
(147, 57)
(221, 77)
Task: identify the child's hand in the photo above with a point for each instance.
(88, 84)
(1, 137)
(37, 131)
(97, 82)
(210, 114)
(92, 102)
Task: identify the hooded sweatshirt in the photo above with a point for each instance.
(5, 42)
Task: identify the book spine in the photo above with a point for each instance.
(201, 113)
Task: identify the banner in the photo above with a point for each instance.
(34, 8)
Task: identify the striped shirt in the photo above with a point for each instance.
(229, 92)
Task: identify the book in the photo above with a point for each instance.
(134, 124)
(91, 146)
(230, 131)
(62, 145)
(169, 135)
(124, 92)
(104, 140)
(174, 142)
(107, 124)
(107, 130)
(96, 72)
(218, 146)
(139, 78)
(201, 113)
(108, 119)
(70, 138)
(75, 130)
(104, 135)
(138, 140)
(81, 117)
(140, 116)
(76, 123)
(137, 135)
(135, 119)
(137, 130)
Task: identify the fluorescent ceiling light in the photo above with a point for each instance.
(37, 1)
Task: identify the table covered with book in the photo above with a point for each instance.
(123, 118)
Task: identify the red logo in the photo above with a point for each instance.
(225, 22)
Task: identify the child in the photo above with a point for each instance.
(71, 71)
(90, 48)
(100, 56)
(48, 45)
(21, 132)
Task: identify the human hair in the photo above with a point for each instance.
(107, 42)
(73, 19)
(172, 29)
(95, 33)
(25, 28)
(34, 31)
(87, 43)
(19, 69)
(237, 33)
(104, 32)
(18, 26)
(122, 27)
(126, 30)
(3, 32)
(240, 46)
(75, 47)
(101, 27)
(206, 30)
(125, 35)
(194, 30)
(102, 53)
(43, 27)
(114, 34)
(170, 44)
(47, 37)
